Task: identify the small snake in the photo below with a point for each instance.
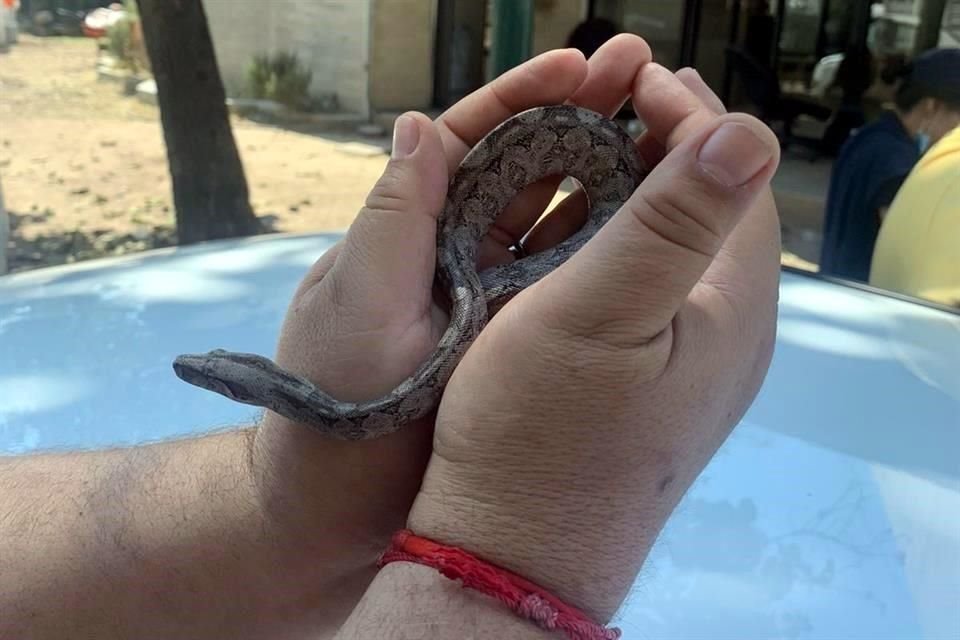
(540, 142)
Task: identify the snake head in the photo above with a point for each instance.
(215, 371)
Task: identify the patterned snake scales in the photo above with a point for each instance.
(540, 142)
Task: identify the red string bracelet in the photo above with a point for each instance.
(524, 598)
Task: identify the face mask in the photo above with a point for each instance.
(922, 140)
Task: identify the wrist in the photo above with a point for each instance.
(407, 600)
(563, 569)
(315, 571)
(334, 502)
(522, 597)
(306, 506)
(571, 547)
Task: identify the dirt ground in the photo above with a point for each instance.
(84, 168)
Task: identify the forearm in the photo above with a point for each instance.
(411, 602)
(161, 541)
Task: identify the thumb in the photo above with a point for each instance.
(629, 282)
(388, 256)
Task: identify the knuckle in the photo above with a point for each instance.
(676, 222)
(383, 202)
(388, 194)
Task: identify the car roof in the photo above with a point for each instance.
(832, 511)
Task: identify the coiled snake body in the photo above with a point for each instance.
(540, 142)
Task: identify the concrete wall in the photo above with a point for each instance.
(553, 20)
(239, 28)
(329, 36)
(402, 54)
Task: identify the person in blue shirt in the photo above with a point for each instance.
(876, 159)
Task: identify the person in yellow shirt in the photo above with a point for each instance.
(918, 248)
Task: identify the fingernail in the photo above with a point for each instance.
(406, 137)
(733, 154)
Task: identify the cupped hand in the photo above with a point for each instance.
(590, 403)
(364, 317)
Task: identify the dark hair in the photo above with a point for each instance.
(856, 72)
(908, 94)
(895, 68)
(933, 74)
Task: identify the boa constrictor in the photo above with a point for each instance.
(540, 142)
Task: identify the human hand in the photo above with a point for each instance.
(590, 403)
(364, 317)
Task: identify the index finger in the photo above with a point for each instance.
(668, 108)
(694, 81)
(550, 78)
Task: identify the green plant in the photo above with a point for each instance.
(280, 77)
(258, 76)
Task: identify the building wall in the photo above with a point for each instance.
(329, 36)
(237, 29)
(402, 54)
(553, 20)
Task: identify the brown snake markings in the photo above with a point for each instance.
(558, 140)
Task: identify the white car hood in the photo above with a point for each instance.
(833, 511)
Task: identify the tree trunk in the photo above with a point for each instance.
(209, 188)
